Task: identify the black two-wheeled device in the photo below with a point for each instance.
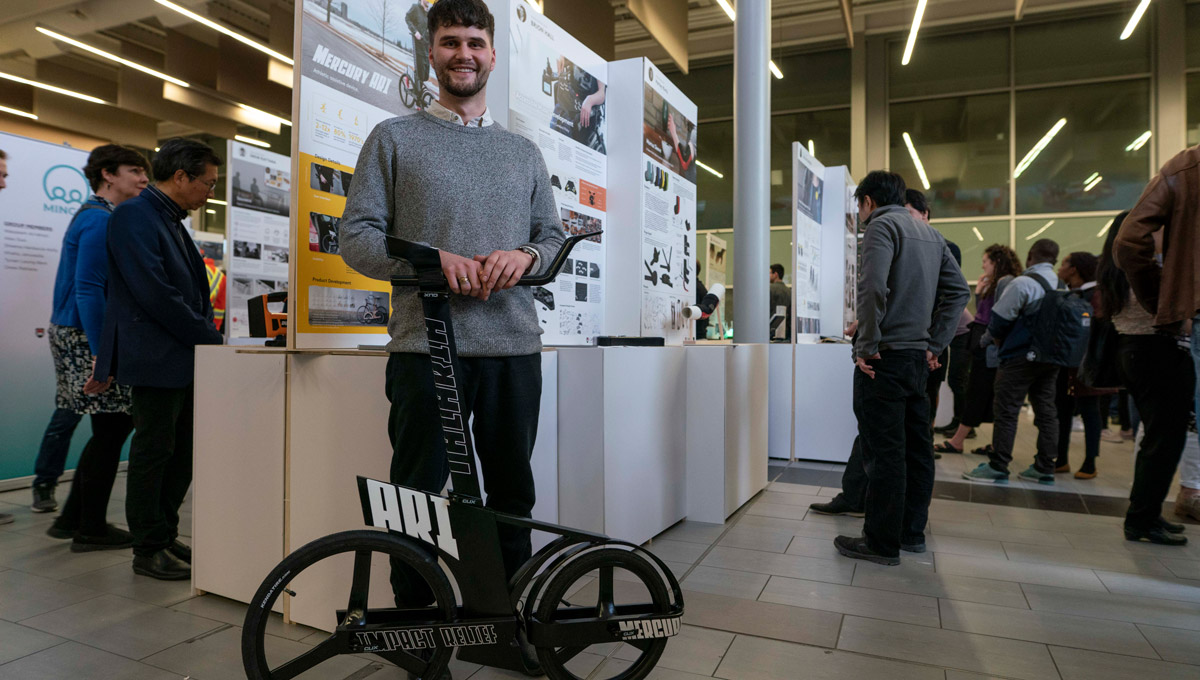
(583, 590)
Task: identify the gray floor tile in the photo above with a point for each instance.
(1020, 572)
(786, 498)
(613, 666)
(952, 674)
(924, 582)
(676, 551)
(767, 539)
(219, 656)
(752, 658)
(1154, 612)
(582, 665)
(19, 641)
(1076, 664)
(24, 595)
(122, 626)
(72, 660)
(762, 619)
(950, 649)
(971, 547)
(1173, 644)
(743, 584)
(694, 650)
(694, 532)
(812, 529)
(1165, 587)
(781, 510)
(781, 565)
(831, 597)
(49, 558)
(234, 613)
(801, 489)
(849, 526)
(119, 579)
(1086, 559)
(1045, 627)
(1183, 568)
(1115, 542)
(1000, 533)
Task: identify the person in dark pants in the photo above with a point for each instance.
(52, 458)
(907, 278)
(491, 229)
(1017, 376)
(158, 311)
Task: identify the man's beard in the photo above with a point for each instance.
(463, 92)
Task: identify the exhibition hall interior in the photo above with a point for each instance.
(599, 339)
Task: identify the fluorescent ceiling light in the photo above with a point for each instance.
(1037, 148)
(775, 69)
(221, 29)
(1039, 231)
(15, 112)
(912, 33)
(1091, 182)
(977, 234)
(1107, 226)
(251, 140)
(912, 151)
(69, 93)
(156, 149)
(1133, 20)
(728, 9)
(812, 149)
(211, 212)
(710, 170)
(217, 202)
(1140, 141)
(281, 121)
(537, 5)
(110, 56)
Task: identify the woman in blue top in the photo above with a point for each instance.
(116, 174)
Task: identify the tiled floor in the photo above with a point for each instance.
(1008, 590)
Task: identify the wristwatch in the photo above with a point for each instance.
(532, 252)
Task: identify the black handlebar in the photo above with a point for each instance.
(427, 261)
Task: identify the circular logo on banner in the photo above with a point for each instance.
(65, 183)
(521, 12)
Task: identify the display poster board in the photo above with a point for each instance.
(808, 196)
(668, 178)
(716, 271)
(356, 68)
(258, 193)
(850, 268)
(46, 186)
(556, 98)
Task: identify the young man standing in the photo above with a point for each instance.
(451, 178)
(781, 297)
(907, 278)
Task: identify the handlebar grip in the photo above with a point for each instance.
(426, 259)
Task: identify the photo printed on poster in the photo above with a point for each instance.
(258, 193)
(808, 194)
(557, 99)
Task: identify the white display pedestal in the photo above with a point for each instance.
(825, 425)
(622, 458)
(726, 428)
(781, 415)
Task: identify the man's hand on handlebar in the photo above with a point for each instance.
(502, 269)
(462, 275)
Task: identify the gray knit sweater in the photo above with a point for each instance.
(467, 190)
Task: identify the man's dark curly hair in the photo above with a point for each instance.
(469, 13)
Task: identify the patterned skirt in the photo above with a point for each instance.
(73, 368)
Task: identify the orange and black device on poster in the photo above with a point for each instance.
(267, 324)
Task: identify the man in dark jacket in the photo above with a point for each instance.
(158, 311)
(907, 278)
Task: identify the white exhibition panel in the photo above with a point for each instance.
(780, 414)
(825, 425)
(238, 476)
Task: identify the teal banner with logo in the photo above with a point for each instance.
(46, 186)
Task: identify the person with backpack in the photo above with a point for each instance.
(1030, 347)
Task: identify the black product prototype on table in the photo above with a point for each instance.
(562, 601)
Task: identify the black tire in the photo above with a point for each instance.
(362, 541)
(552, 659)
(406, 91)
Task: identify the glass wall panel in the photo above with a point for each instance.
(1092, 161)
(943, 64)
(1193, 109)
(1192, 39)
(811, 80)
(829, 132)
(973, 238)
(710, 87)
(1071, 233)
(714, 195)
(962, 142)
(1089, 47)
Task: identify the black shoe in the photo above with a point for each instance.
(58, 531)
(913, 547)
(114, 539)
(6, 518)
(162, 565)
(856, 549)
(1169, 527)
(1155, 535)
(837, 506)
(181, 551)
(43, 498)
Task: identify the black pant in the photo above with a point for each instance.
(1161, 378)
(933, 385)
(1014, 379)
(956, 376)
(1088, 407)
(503, 395)
(854, 478)
(897, 449)
(981, 381)
(160, 465)
(52, 456)
(86, 509)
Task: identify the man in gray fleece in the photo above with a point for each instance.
(908, 276)
(451, 178)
